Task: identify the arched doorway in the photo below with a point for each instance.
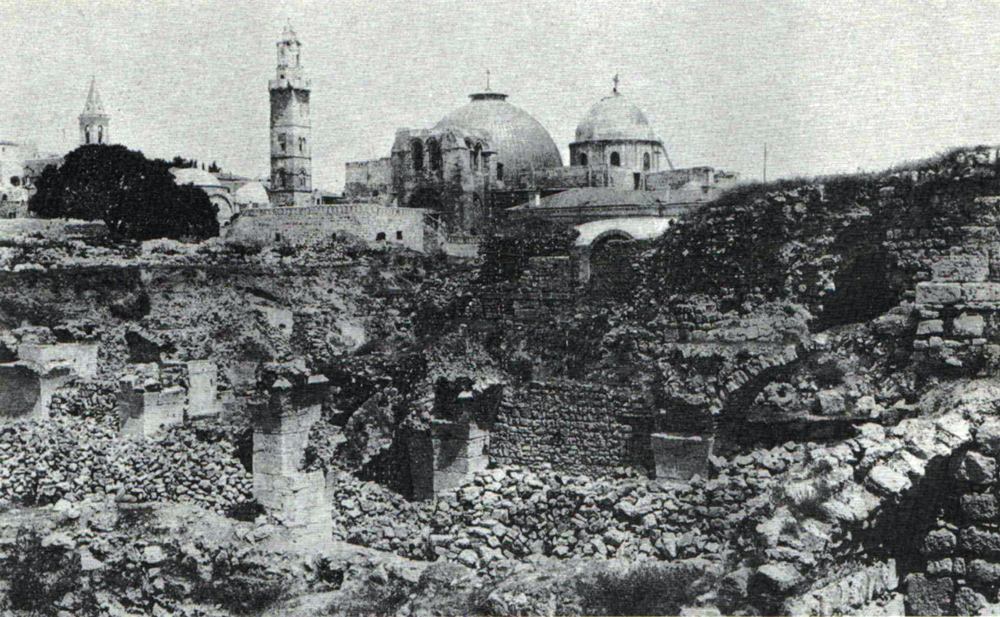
(609, 259)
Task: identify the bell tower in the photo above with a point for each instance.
(291, 154)
(94, 120)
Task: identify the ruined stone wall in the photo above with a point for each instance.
(317, 224)
(573, 426)
(368, 178)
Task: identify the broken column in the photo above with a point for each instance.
(145, 407)
(203, 379)
(26, 388)
(293, 496)
(456, 446)
(678, 458)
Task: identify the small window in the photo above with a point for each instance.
(86, 135)
(479, 157)
(100, 134)
(281, 140)
(380, 236)
(583, 159)
(399, 235)
(499, 171)
(277, 237)
(417, 151)
(434, 153)
(645, 161)
(616, 159)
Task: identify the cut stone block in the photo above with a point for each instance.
(81, 357)
(142, 413)
(203, 379)
(968, 325)
(679, 457)
(26, 389)
(964, 268)
(939, 293)
(451, 454)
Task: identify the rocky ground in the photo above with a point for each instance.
(837, 335)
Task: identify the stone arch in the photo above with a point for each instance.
(225, 207)
(584, 253)
(616, 159)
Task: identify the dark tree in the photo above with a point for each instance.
(134, 196)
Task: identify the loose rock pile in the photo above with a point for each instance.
(70, 458)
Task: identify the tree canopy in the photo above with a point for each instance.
(134, 196)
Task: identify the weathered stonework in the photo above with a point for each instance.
(294, 497)
(26, 389)
(144, 410)
(203, 379)
(681, 457)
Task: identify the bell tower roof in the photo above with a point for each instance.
(94, 105)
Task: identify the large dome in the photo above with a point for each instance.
(521, 142)
(614, 117)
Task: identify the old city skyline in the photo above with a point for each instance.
(831, 91)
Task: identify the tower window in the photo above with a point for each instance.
(100, 134)
(417, 151)
(478, 158)
(645, 161)
(380, 236)
(283, 142)
(434, 154)
(499, 171)
(616, 159)
(399, 235)
(86, 135)
(583, 159)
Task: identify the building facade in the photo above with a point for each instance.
(291, 150)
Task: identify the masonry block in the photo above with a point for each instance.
(962, 268)
(928, 596)
(968, 325)
(930, 326)
(203, 379)
(80, 356)
(142, 412)
(680, 458)
(981, 293)
(26, 389)
(979, 507)
(939, 293)
(450, 455)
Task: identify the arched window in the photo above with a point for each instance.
(417, 151)
(302, 179)
(86, 135)
(283, 141)
(434, 154)
(499, 171)
(583, 159)
(302, 145)
(645, 161)
(479, 157)
(380, 236)
(100, 134)
(616, 159)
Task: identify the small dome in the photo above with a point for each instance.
(195, 176)
(520, 141)
(614, 117)
(251, 193)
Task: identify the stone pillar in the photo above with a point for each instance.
(26, 388)
(679, 458)
(203, 379)
(145, 409)
(294, 497)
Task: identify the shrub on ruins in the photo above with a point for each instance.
(136, 197)
(646, 588)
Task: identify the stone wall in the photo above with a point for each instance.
(368, 178)
(27, 388)
(317, 224)
(573, 426)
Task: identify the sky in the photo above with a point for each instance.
(829, 87)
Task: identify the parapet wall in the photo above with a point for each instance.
(305, 225)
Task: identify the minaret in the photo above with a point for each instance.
(94, 120)
(291, 157)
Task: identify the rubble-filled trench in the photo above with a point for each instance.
(822, 354)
